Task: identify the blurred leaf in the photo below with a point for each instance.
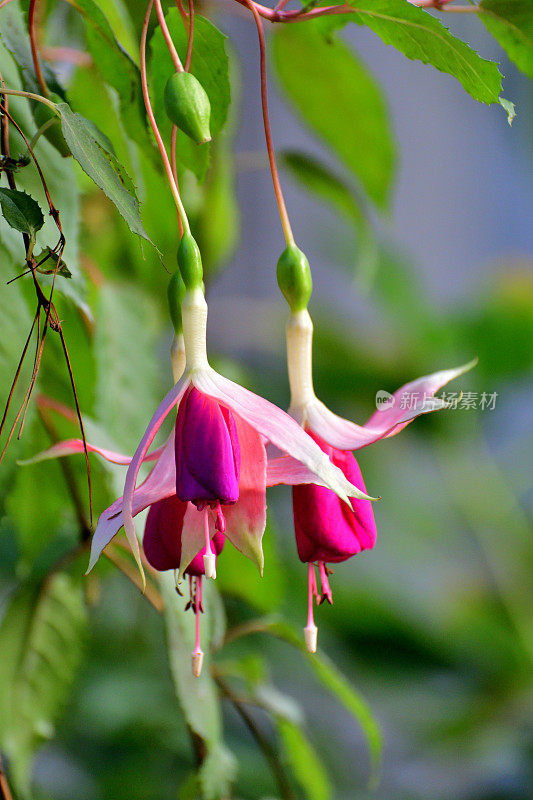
(216, 228)
(279, 704)
(308, 64)
(237, 576)
(94, 156)
(335, 681)
(304, 761)
(14, 35)
(324, 183)
(209, 64)
(21, 211)
(41, 636)
(511, 23)
(421, 37)
(198, 697)
(128, 377)
(117, 69)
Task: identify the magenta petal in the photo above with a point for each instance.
(276, 426)
(207, 451)
(325, 528)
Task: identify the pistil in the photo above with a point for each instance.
(210, 559)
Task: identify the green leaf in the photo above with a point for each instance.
(421, 37)
(304, 761)
(50, 263)
(41, 638)
(511, 23)
(93, 153)
(117, 69)
(353, 119)
(335, 681)
(198, 697)
(21, 211)
(209, 64)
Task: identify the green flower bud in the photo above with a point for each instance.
(188, 106)
(42, 114)
(294, 278)
(175, 294)
(190, 262)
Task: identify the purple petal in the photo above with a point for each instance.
(278, 428)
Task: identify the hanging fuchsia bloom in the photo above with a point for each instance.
(162, 548)
(327, 531)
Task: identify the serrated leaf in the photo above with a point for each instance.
(101, 165)
(209, 64)
(198, 697)
(511, 23)
(352, 119)
(421, 37)
(41, 638)
(304, 761)
(21, 211)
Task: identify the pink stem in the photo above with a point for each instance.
(190, 38)
(166, 163)
(197, 605)
(311, 582)
(208, 550)
(178, 66)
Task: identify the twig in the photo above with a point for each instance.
(4, 786)
(34, 53)
(284, 786)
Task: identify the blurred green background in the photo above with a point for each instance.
(433, 627)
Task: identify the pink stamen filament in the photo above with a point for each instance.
(220, 522)
(311, 594)
(326, 589)
(208, 550)
(197, 611)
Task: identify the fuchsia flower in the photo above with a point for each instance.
(326, 530)
(213, 467)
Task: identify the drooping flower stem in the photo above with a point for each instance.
(176, 60)
(310, 631)
(166, 163)
(190, 37)
(284, 216)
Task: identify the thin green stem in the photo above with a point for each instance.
(30, 96)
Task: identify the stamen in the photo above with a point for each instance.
(220, 522)
(177, 583)
(190, 604)
(310, 631)
(326, 589)
(210, 559)
(197, 654)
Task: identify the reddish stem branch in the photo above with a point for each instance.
(34, 52)
(285, 222)
(190, 38)
(178, 66)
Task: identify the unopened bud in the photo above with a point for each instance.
(294, 278)
(190, 262)
(188, 106)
